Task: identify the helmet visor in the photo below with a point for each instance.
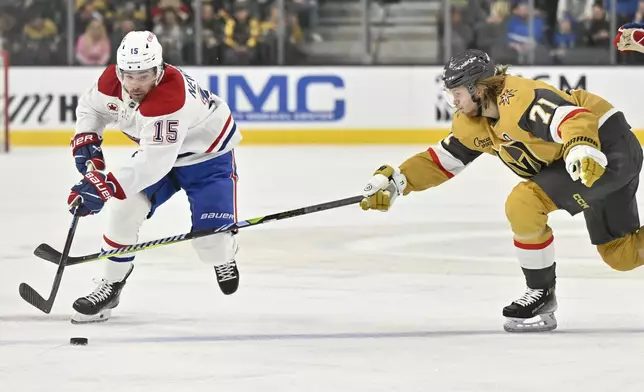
(455, 95)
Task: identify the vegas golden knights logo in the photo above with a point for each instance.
(518, 157)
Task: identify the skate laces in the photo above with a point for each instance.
(101, 293)
(531, 296)
(225, 271)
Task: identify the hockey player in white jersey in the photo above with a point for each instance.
(186, 137)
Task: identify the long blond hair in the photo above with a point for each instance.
(493, 86)
(99, 27)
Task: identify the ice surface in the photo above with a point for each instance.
(342, 300)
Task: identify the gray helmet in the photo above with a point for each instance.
(467, 68)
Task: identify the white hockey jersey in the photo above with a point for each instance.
(177, 124)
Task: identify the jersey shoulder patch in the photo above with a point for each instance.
(108, 83)
(167, 97)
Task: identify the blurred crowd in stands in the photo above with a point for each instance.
(234, 32)
(245, 32)
(565, 32)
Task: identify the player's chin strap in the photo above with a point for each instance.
(160, 74)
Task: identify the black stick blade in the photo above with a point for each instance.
(30, 295)
(46, 252)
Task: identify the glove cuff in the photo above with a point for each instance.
(119, 193)
(386, 178)
(392, 174)
(579, 140)
(399, 180)
(83, 139)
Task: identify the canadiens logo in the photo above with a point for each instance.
(506, 95)
(112, 107)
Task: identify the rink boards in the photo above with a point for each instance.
(302, 105)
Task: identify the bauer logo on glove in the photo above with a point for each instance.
(92, 192)
(86, 147)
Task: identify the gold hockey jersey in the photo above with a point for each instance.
(537, 124)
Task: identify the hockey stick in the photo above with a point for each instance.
(27, 292)
(30, 295)
(48, 253)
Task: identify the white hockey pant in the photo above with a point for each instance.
(124, 219)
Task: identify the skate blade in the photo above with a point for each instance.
(539, 323)
(101, 317)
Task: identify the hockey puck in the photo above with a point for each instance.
(78, 341)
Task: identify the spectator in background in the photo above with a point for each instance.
(462, 32)
(241, 35)
(132, 11)
(221, 5)
(211, 48)
(578, 10)
(639, 15)
(263, 8)
(492, 33)
(270, 37)
(104, 7)
(625, 9)
(7, 23)
(84, 16)
(182, 11)
(214, 20)
(473, 12)
(93, 47)
(120, 30)
(599, 28)
(171, 36)
(308, 18)
(564, 39)
(547, 9)
(579, 13)
(40, 41)
(519, 38)
(213, 23)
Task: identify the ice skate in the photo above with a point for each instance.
(97, 306)
(227, 277)
(533, 312)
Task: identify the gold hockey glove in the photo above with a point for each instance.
(585, 163)
(382, 189)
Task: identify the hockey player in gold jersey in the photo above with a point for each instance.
(575, 150)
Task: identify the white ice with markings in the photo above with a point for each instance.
(342, 300)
